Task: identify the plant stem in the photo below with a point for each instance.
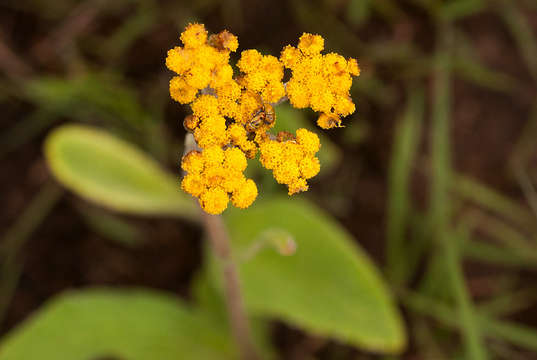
(220, 244)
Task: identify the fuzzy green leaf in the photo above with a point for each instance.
(124, 324)
(328, 287)
(113, 173)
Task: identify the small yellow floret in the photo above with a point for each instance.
(353, 67)
(235, 160)
(177, 61)
(211, 132)
(193, 162)
(213, 156)
(328, 121)
(245, 195)
(193, 185)
(309, 167)
(205, 106)
(224, 40)
(214, 201)
(290, 56)
(229, 41)
(297, 186)
(311, 44)
(309, 140)
(181, 92)
(194, 35)
(249, 61)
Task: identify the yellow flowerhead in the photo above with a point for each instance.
(321, 82)
(232, 114)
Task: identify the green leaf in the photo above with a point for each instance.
(328, 287)
(132, 324)
(113, 173)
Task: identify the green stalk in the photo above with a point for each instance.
(406, 142)
(15, 237)
(439, 197)
(513, 333)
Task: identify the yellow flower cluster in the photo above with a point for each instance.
(215, 175)
(292, 159)
(263, 74)
(321, 82)
(232, 115)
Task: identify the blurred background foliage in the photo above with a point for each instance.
(426, 244)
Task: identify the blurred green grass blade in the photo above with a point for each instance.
(524, 147)
(318, 20)
(468, 66)
(114, 174)
(434, 279)
(39, 207)
(374, 89)
(111, 227)
(433, 7)
(440, 163)
(407, 137)
(508, 303)
(420, 234)
(358, 11)
(131, 324)
(85, 95)
(516, 334)
(484, 196)
(440, 206)
(25, 130)
(388, 9)
(328, 287)
(455, 10)
(131, 29)
(493, 254)
(522, 32)
(527, 187)
(475, 346)
(508, 236)
(476, 73)
(15, 237)
(426, 341)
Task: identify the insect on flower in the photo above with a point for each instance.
(264, 115)
(233, 114)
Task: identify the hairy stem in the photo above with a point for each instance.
(221, 246)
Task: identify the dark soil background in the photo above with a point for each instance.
(66, 38)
